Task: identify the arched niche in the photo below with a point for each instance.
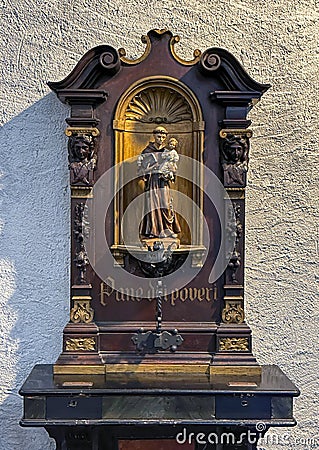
(146, 104)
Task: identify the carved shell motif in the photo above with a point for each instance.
(158, 105)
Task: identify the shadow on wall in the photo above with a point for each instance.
(34, 259)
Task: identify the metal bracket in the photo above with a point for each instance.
(152, 341)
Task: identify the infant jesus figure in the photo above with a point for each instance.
(169, 156)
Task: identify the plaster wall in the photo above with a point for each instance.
(277, 43)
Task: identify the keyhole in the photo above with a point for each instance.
(72, 404)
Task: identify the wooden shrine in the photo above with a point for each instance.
(158, 154)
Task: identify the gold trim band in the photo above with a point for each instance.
(234, 370)
(70, 369)
(237, 131)
(157, 368)
(235, 194)
(71, 130)
(81, 192)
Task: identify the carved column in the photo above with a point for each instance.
(233, 338)
(80, 336)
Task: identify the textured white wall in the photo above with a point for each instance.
(276, 42)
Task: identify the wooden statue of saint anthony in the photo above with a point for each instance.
(157, 165)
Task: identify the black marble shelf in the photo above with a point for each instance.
(166, 399)
(106, 408)
(272, 382)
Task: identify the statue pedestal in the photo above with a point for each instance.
(168, 243)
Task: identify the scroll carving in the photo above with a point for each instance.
(145, 40)
(82, 158)
(197, 53)
(81, 232)
(209, 61)
(75, 344)
(233, 312)
(82, 311)
(110, 60)
(148, 39)
(234, 156)
(234, 344)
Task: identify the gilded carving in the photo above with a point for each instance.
(81, 192)
(238, 132)
(234, 156)
(82, 158)
(70, 131)
(234, 344)
(158, 105)
(75, 344)
(147, 41)
(233, 312)
(197, 53)
(81, 311)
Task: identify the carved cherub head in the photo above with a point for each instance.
(81, 148)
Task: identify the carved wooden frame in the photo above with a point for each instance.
(98, 90)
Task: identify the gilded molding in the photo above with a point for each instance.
(81, 192)
(237, 132)
(82, 311)
(81, 130)
(233, 312)
(234, 344)
(235, 193)
(77, 369)
(197, 53)
(149, 369)
(145, 40)
(84, 344)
